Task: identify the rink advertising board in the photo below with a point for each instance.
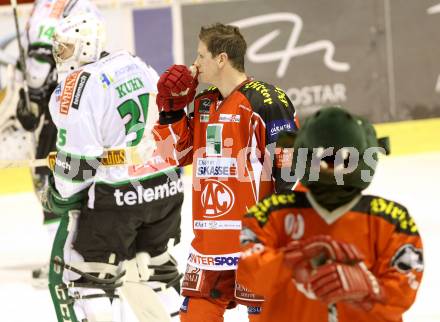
(374, 57)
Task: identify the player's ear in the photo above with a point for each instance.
(222, 59)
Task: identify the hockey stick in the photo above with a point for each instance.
(21, 55)
(111, 157)
(23, 67)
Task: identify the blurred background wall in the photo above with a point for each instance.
(378, 58)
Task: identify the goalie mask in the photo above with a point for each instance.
(77, 40)
(339, 153)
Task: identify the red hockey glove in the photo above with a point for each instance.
(304, 256)
(336, 282)
(176, 88)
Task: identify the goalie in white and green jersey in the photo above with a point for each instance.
(116, 220)
(41, 76)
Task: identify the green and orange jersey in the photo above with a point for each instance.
(228, 141)
(382, 230)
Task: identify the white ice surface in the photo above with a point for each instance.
(412, 180)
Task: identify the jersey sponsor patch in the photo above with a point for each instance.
(146, 195)
(294, 226)
(277, 126)
(192, 278)
(213, 262)
(106, 80)
(254, 309)
(81, 84)
(204, 118)
(217, 199)
(57, 92)
(216, 167)
(283, 157)
(242, 293)
(75, 168)
(229, 118)
(68, 90)
(58, 9)
(395, 214)
(204, 105)
(408, 258)
(262, 209)
(217, 225)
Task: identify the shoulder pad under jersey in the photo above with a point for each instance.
(209, 90)
(391, 211)
(289, 199)
(261, 94)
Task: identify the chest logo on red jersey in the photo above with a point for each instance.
(217, 199)
(294, 226)
(204, 106)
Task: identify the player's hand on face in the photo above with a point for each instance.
(176, 88)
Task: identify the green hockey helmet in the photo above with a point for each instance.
(335, 147)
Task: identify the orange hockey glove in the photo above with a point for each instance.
(305, 256)
(336, 282)
(176, 88)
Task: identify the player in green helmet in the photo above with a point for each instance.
(332, 253)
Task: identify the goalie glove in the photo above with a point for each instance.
(53, 202)
(355, 284)
(176, 88)
(305, 256)
(29, 117)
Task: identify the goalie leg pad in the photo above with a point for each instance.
(81, 291)
(156, 278)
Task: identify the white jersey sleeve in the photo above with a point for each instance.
(76, 108)
(104, 105)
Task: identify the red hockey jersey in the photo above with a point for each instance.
(381, 229)
(230, 143)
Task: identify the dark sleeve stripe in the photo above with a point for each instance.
(393, 212)
(262, 210)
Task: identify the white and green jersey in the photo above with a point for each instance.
(109, 104)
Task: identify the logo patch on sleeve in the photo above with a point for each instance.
(81, 84)
(408, 258)
(277, 126)
(68, 90)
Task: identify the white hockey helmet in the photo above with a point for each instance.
(78, 40)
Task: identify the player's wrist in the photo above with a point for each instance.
(170, 117)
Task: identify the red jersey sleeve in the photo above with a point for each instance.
(174, 140)
(399, 265)
(261, 267)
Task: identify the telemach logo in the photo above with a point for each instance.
(142, 195)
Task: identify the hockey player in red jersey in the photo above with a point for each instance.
(332, 254)
(230, 138)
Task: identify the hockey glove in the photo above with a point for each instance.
(176, 88)
(305, 256)
(342, 282)
(29, 117)
(53, 202)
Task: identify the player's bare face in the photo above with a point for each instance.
(206, 64)
(62, 51)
